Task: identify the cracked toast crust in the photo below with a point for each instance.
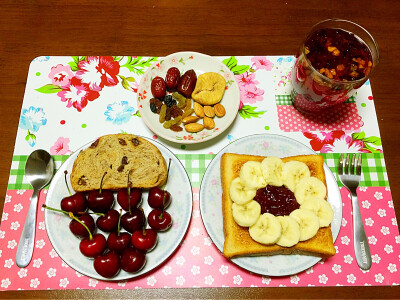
(237, 239)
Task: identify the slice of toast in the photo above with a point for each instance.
(118, 155)
(237, 239)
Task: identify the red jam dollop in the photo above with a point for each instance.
(276, 200)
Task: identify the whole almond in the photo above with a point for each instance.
(219, 110)
(208, 123)
(194, 127)
(209, 111)
(190, 119)
(198, 109)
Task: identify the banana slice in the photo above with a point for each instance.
(239, 193)
(272, 170)
(267, 229)
(321, 208)
(292, 172)
(290, 235)
(251, 175)
(308, 223)
(246, 215)
(309, 188)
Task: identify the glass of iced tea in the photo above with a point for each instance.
(335, 59)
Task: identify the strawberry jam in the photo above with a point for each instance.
(276, 200)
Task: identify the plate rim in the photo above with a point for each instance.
(228, 124)
(237, 260)
(140, 273)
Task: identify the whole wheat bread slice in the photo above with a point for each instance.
(238, 241)
(118, 155)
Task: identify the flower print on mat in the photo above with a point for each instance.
(60, 147)
(339, 141)
(246, 78)
(119, 112)
(32, 119)
(83, 79)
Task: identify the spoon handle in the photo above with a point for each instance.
(25, 245)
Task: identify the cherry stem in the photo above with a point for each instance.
(65, 178)
(71, 215)
(101, 182)
(119, 223)
(129, 194)
(144, 224)
(166, 180)
(161, 215)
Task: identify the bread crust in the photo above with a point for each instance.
(118, 155)
(237, 239)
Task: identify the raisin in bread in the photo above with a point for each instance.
(238, 241)
(118, 155)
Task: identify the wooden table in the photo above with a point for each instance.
(33, 28)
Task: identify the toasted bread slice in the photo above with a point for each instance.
(237, 239)
(118, 155)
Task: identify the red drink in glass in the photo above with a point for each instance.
(335, 59)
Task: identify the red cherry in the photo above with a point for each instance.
(144, 240)
(132, 260)
(123, 199)
(78, 229)
(107, 265)
(159, 220)
(91, 247)
(158, 198)
(134, 220)
(75, 203)
(109, 221)
(100, 201)
(118, 242)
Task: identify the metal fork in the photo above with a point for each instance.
(350, 176)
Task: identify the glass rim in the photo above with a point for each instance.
(375, 44)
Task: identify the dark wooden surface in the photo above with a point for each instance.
(156, 28)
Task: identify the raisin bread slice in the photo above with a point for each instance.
(118, 155)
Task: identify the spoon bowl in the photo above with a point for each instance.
(39, 171)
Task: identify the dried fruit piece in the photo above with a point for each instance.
(198, 109)
(176, 128)
(194, 127)
(209, 111)
(168, 124)
(172, 78)
(122, 142)
(175, 111)
(190, 119)
(168, 114)
(208, 123)
(187, 83)
(158, 87)
(163, 112)
(187, 113)
(219, 110)
(188, 104)
(210, 88)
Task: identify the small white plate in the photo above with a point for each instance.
(200, 63)
(67, 245)
(211, 208)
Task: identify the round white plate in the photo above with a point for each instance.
(200, 63)
(211, 208)
(67, 245)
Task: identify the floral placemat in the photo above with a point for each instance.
(70, 101)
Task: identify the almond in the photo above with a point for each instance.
(208, 123)
(219, 110)
(198, 109)
(194, 127)
(190, 119)
(209, 111)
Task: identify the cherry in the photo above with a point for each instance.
(93, 245)
(100, 201)
(133, 220)
(108, 222)
(135, 198)
(118, 241)
(73, 203)
(159, 220)
(159, 198)
(78, 229)
(145, 239)
(108, 264)
(132, 260)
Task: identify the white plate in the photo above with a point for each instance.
(200, 63)
(67, 245)
(211, 209)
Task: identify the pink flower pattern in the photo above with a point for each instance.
(60, 147)
(251, 94)
(261, 62)
(60, 75)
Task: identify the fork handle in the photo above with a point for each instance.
(361, 246)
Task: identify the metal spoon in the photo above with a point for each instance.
(39, 170)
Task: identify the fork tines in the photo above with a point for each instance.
(350, 164)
